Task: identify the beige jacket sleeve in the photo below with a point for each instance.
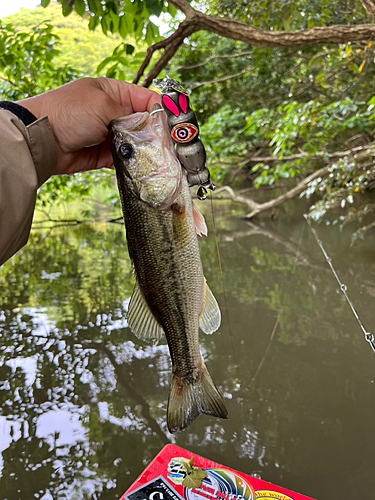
(28, 156)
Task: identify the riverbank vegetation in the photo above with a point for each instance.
(284, 91)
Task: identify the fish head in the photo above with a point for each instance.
(145, 158)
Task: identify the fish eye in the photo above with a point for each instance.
(126, 151)
(184, 132)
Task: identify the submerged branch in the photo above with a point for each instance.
(257, 208)
(301, 258)
(234, 197)
(301, 186)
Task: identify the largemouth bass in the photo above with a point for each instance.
(170, 295)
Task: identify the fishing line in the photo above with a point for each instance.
(156, 111)
(369, 337)
(282, 306)
(223, 286)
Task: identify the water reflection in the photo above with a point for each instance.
(83, 402)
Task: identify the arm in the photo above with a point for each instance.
(70, 135)
(28, 158)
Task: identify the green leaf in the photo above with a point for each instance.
(115, 22)
(80, 7)
(132, 8)
(172, 10)
(66, 10)
(104, 63)
(125, 25)
(93, 23)
(111, 6)
(149, 34)
(111, 72)
(105, 24)
(154, 7)
(353, 67)
(129, 49)
(45, 3)
(92, 6)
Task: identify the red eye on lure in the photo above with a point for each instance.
(184, 132)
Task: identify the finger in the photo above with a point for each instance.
(143, 99)
(130, 97)
(105, 159)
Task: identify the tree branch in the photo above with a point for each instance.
(222, 79)
(222, 56)
(256, 37)
(319, 154)
(237, 30)
(322, 172)
(233, 196)
(370, 8)
(171, 45)
(257, 208)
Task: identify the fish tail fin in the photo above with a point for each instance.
(188, 399)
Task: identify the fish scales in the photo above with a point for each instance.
(170, 294)
(160, 265)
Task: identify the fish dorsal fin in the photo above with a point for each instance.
(199, 222)
(210, 317)
(140, 319)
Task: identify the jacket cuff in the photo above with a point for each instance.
(40, 139)
(43, 148)
(22, 113)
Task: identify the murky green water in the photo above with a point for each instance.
(83, 402)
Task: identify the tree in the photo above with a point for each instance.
(301, 74)
(290, 86)
(76, 46)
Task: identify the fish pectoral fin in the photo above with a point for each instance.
(140, 319)
(210, 317)
(199, 222)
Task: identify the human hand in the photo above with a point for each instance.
(80, 112)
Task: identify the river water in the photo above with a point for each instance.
(83, 402)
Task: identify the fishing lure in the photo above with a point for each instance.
(184, 131)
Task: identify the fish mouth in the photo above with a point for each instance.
(131, 123)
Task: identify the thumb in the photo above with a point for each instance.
(128, 98)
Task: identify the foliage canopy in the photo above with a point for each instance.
(270, 109)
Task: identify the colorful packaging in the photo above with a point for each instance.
(178, 474)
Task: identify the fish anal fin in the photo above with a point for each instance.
(199, 222)
(210, 317)
(188, 399)
(140, 319)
